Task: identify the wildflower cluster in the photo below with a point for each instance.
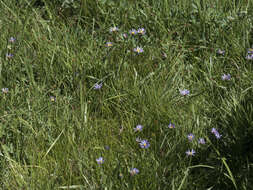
(132, 32)
(12, 40)
(191, 138)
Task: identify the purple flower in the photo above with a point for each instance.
(100, 160)
(138, 128)
(190, 152)
(216, 133)
(133, 32)
(184, 92)
(144, 144)
(9, 55)
(190, 137)
(134, 171)
(249, 57)
(171, 126)
(114, 29)
(138, 50)
(250, 51)
(214, 130)
(226, 77)
(12, 39)
(202, 141)
(221, 52)
(98, 86)
(108, 44)
(141, 31)
(107, 147)
(5, 90)
(52, 98)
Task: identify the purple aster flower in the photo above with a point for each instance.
(221, 52)
(171, 126)
(214, 130)
(226, 77)
(100, 160)
(98, 86)
(141, 31)
(250, 51)
(133, 32)
(114, 29)
(134, 171)
(190, 152)
(216, 133)
(138, 50)
(108, 44)
(190, 137)
(138, 128)
(107, 147)
(184, 92)
(5, 90)
(12, 39)
(9, 55)
(52, 98)
(249, 57)
(202, 141)
(144, 144)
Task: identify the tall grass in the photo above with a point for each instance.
(54, 123)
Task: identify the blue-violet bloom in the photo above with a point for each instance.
(202, 141)
(190, 137)
(138, 128)
(98, 86)
(134, 171)
(138, 50)
(141, 31)
(221, 52)
(171, 126)
(133, 32)
(226, 77)
(190, 152)
(144, 144)
(9, 55)
(184, 92)
(114, 29)
(100, 160)
(12, 39)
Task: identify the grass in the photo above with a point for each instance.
(54, 124)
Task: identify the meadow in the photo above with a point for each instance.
(126, 94)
